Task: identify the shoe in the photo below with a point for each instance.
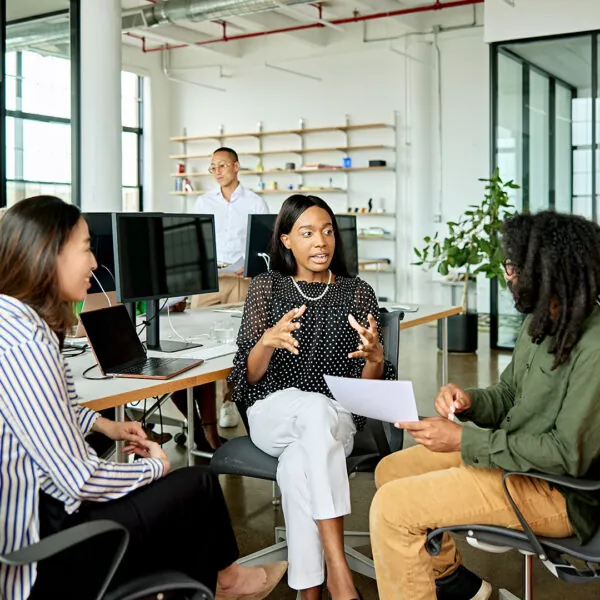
(462, 585)
(159, 438)
(229, 416)
(275, 571)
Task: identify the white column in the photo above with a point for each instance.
(417, 185)
(101, 105)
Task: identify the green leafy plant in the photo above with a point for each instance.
(473, 241)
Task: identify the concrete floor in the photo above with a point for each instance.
(254, 517)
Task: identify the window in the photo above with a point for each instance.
(132, 117)
(38, 129)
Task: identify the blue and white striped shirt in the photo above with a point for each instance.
(42, 445)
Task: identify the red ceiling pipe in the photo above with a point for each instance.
(355, 19)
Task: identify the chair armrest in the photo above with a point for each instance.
(157, 584)
(575, 483)
(58, 542)
(378, 433)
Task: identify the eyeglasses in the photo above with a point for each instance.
(219, 167)
(510, 268)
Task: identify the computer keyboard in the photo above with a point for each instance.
(149, 366)
(210, 352)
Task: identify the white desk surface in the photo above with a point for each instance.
(114, 392)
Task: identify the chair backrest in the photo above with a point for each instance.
(379, 439)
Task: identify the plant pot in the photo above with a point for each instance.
(462, 333)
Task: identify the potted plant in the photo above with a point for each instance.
(472, 246)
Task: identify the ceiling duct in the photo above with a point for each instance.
(208, 10)
(56, 28)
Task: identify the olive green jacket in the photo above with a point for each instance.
(541, 419)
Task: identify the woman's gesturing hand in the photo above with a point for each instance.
(280, 336)
(370, 348)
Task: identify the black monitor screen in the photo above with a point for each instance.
(101, 243)
(348, 234)
(164, 256)
(260, 231)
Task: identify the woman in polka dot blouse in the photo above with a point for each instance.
(304, 319)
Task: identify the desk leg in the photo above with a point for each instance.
(120, 417)
(444, 351)
(191, 446)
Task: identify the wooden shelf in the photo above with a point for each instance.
(377, 272)
(286, 171)
(303, 191)
(366, 214)
(282, 191)
(291, 151)
(220, 136)
(379, 238)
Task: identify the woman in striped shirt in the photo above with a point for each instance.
(50, 479)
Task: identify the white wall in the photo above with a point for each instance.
(517, 19)
(370, 83)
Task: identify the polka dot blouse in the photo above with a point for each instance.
(325, 338)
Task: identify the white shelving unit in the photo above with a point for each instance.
(336, 183)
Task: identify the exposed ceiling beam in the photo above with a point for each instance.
(176, 34)
(305, 17)
(275, 20)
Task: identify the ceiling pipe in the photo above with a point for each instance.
(169, 11)
(438, 5)
(57, 28)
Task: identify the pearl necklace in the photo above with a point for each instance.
(310, 297)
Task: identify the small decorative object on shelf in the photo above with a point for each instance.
(377, 163)
(272, 185)
(347, 162)
(370, 204)
(187, 185)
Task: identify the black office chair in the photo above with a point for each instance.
(555, 553)
(240, 456)
(109, 541)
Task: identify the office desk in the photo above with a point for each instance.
(115, 393)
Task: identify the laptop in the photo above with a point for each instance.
(119, 352)
(92, 302)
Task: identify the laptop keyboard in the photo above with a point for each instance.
(148, 367)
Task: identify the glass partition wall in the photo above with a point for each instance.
(544, 136)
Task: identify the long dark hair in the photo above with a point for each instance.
(32, 234)
(282, 259)
(557, 259)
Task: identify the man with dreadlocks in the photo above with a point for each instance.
(543, 415)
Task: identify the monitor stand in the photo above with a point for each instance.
(153, 332)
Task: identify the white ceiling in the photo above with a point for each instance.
(188, 32)
(568, 59)
(22, 9)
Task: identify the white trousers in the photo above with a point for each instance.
(311, 435)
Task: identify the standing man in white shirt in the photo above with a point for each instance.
(231, 204)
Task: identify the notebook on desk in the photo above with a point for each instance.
(119, 352)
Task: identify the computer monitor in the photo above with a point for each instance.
(101, 243)
(260, 232)
(161, 256)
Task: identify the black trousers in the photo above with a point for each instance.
(178, 523)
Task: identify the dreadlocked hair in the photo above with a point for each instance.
(557, 260)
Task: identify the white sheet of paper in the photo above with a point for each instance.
(388, 401)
